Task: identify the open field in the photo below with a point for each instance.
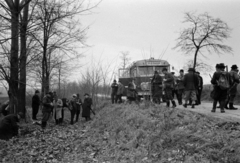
(130, 133)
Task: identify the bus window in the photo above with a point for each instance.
(159, 69)
(145, 71)
(124, 73)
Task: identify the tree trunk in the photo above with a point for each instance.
(13, 84)
(195, 58)
(23, 61)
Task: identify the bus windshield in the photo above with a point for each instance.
(145, 71)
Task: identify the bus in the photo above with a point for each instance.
(142, 71)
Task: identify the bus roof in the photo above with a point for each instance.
(151, 62)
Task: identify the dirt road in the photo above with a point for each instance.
(205, 108)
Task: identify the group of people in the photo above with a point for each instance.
(52, 106)
(188, 86)
(224, 87)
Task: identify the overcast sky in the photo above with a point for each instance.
(147, 27)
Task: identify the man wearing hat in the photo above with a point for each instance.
(35, 104)
(73, 107)
(233, 87)
(168, 83)
(199, 88)
(219, 94)
(114, 87)
(190, 82)
(87, 107)
(156, 87)
(47, 108)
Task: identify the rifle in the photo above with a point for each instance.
(93, 111)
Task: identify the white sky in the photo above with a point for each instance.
(141, 26)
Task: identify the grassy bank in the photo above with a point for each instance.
(132, 133)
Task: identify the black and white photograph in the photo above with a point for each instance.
(119, 81)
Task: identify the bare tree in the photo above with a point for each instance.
(59, 30)
(12, 12)
(201, 66)
(204, 32)
(125, 59)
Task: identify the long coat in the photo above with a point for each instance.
(57, 108)
(87, 104)
(190, 82)
(157, 85)
(9, 127)
(35, 101)
(234, 82)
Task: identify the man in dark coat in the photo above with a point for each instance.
(180, 86)
(120, 92)
(190, 82)
(9, 126)
(79, 105)
(168, 83)
(114, 87)
(5, 108)
(73, 107)
(232, 92)
(35, 105)
(47, 108)
(199, 88)
(87, 107)
(157, 87)
(219, 95)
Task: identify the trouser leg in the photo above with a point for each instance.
(77, 114)
(45, 118)
(112, 98)
(73, 112)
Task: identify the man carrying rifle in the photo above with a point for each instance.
(233, 87)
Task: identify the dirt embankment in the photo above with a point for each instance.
(132, 133)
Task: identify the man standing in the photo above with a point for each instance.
(168, 82)
(120, 92)
(87, 107)
(47, 108)
(174, 91)
(199, 88)
(180, 86)
(132, 91)
(157, 87)
(73, 107)
(190, 82)
(220, 93)
(35, 104)
(79, 105)
(234, 78)
(114, 87)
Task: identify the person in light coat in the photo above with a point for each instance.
(57, 109)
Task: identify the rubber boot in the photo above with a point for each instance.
(231, 107)
(168, 103)
(222, 104)
(226, 105)
(174, 104)
(214, 106)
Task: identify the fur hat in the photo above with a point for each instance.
(74, 95)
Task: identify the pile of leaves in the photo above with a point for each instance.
(130, 133)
